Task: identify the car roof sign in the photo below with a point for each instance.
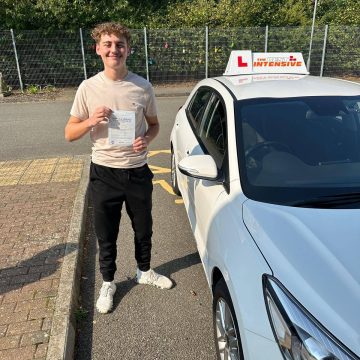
(240, 63)
(244, 62)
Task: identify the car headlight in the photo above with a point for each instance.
(299, 335)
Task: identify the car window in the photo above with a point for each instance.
(213, 130)
(297, 148)
(198, 105)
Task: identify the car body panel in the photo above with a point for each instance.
(256, 346)
(317, 261)
(232, 250)
(296, 86)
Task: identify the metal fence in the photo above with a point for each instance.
(65, 58)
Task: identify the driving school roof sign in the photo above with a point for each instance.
(244, 62)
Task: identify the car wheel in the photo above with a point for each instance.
(226, 331)
(174, 181)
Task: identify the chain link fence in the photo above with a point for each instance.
(223, 41)
(175, 55)
(7, 60)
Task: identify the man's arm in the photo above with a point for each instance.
(77, 128)
(141, 143)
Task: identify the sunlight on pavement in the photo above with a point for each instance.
(63, 169)
(40, 171)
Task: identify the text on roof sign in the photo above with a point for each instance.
(244, 62)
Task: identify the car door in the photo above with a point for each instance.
(187, 125)
(213, 140)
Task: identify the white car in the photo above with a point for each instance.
(268, 166)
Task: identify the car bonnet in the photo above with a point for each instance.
(314, 253)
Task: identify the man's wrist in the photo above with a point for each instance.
(148, 139)
(90, 126)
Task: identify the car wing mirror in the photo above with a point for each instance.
(199, 167)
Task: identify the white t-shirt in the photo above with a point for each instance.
(133, 93)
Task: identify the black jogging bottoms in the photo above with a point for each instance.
(110, 188)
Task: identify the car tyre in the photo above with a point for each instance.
(226, 330)
(174, 181)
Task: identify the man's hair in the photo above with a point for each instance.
(110, 28)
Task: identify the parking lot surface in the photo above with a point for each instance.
(148, 323)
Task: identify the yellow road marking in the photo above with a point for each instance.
(168, 188)
(165, 186)
(159, 170)
(156, 152)
(64, 169)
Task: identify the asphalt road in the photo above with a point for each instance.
(147, 323)
(36, 130)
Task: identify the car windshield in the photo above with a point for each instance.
(293, 150)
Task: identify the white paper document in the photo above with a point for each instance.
(122, 128)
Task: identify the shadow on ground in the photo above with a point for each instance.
(30, 270)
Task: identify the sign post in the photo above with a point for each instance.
(1, 89)
(311, 36)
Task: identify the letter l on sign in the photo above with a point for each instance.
(241, 63)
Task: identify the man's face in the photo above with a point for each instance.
(113, 51)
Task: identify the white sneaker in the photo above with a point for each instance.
(105, 301)
(150, 277)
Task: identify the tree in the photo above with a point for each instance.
(231, 13)
(339, 12)
(72, 14)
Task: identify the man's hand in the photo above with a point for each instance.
(101, 113)
(140, 144)
(76, 128)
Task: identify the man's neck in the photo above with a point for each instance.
(116, 74)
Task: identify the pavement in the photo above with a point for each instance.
(42, 216)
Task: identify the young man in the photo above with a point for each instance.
(106, 104)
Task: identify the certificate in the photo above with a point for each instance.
(122, 128)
